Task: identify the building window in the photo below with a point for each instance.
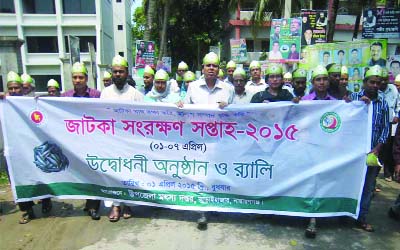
(249, 45)
(120, 27)
(265, 45)
(41, 81)
(121, 53)
(79, 6)
(83, 43)
(39, 6)
(42, 44)
(7, 6)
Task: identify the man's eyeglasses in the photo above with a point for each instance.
(118, 71)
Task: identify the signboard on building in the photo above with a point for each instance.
(381, 23)
(144, 53)
(314, 26)
(356, 55)
(285, 40)
(238, 50)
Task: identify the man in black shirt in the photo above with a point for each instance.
(274, 91)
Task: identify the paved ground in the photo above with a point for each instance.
(164, 229)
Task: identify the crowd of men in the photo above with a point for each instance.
(212, 88)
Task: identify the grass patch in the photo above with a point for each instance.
(3, 178)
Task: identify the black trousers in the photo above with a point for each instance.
(387, 157)
(92, 204)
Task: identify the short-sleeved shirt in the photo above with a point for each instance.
(90, 93)
(253, 88)
(199, 93)
(283, 95)
(242, 99)
(126, 93)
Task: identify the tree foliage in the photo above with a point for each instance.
(192, 26)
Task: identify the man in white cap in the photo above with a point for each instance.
(148, 79)
(287, 80)
(120, 89)
(256, 83)
(239, 82)
(107, 81)
(53, 88)
(176, 84)
(230, 68)
(28, 85)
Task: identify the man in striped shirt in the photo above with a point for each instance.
(380, 132)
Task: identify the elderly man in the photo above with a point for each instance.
(120, 90)
(256, 83)
(390, 94)
(380, 131)
(239, 81)
(107, 79)
(53, 88)
(161, 89)
(274, 92)
(28, 85)
(287, 80)
(176, 84)
(209, 90)
(230, 68)
(79, 80)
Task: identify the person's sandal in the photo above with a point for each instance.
(114, 214)
(127, 212)
(27, 216)
(311, 230)
(94, 214)
(366, 227)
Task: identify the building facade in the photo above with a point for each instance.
(37, 31)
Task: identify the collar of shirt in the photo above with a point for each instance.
(218, 84)
(313, 96)
(362, 93)
(262, 82)
(123, 90)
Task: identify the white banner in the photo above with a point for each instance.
(304, 159)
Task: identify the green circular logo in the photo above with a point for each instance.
(330, 122)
